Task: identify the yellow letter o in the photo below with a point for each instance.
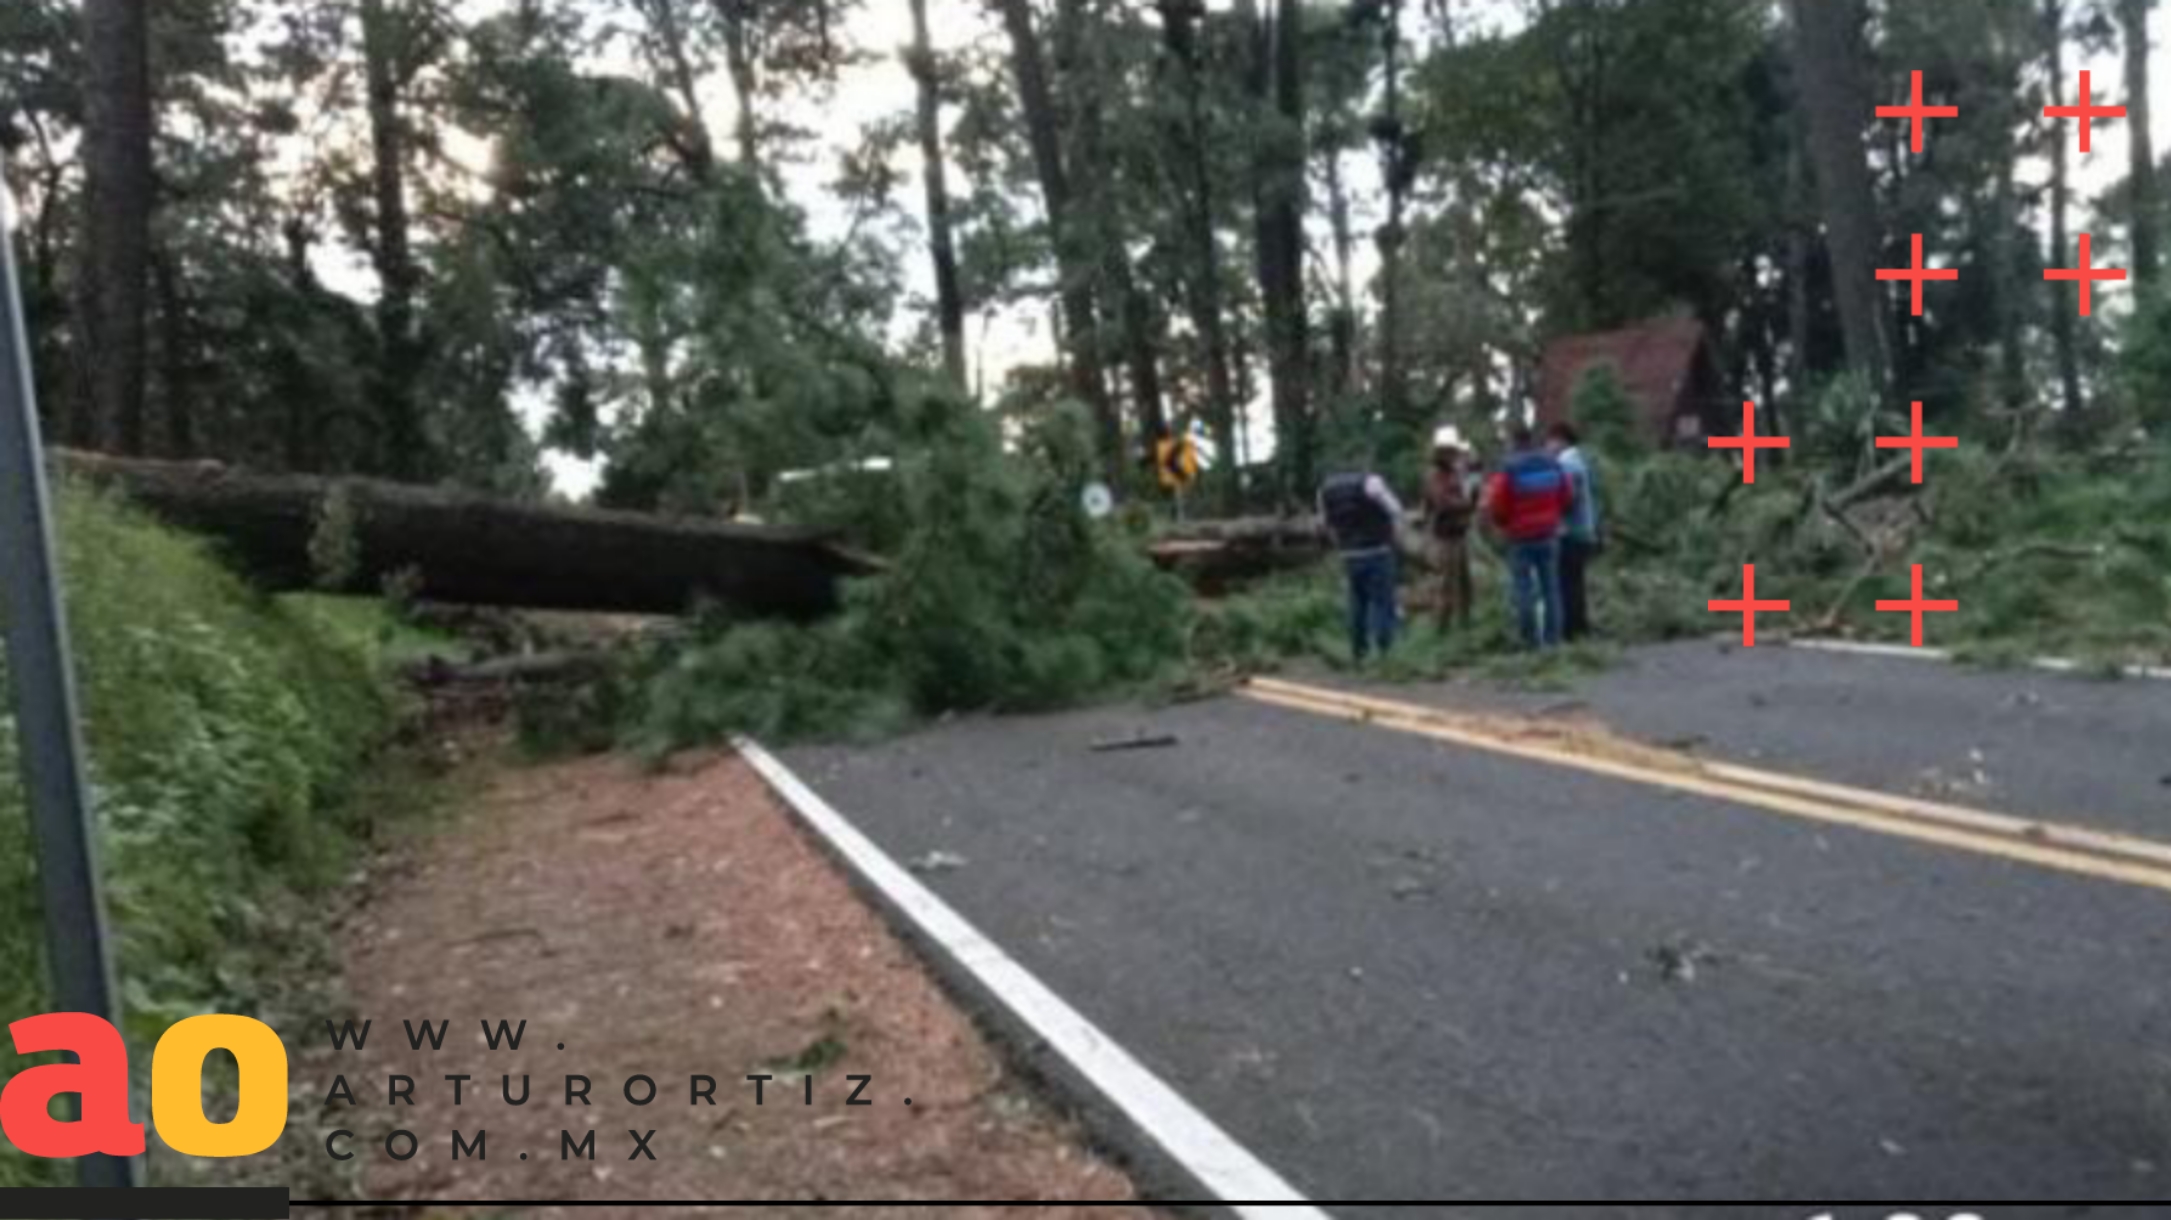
(177, 1095)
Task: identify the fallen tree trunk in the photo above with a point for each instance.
(531, 669)
(1214, 555)
(291, 532)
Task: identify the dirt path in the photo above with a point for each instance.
(671, 926)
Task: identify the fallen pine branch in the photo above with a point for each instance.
(1873, 484)
(2035, 549)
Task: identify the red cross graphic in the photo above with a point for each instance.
(1749, 442)
(1917, 274)
(1918, 112)
(1918, 442)
(1748, 607)
(2087, 274)
(1917, 606)
(2086, 113)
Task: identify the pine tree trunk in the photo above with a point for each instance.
(1394, 386)
(1800, 253)
(669, 28)
(2147, 233)
(1342, 326)
(405, 453)
(2064, 309)
(117, 191)
(1180, 33)
(2008, 289)
(1081, 325)
(1102, 224)
(942, 246)
(739, 61)
(175, 359)
(1277, 89)
(1826, 34)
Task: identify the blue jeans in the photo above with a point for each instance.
(1536, 570)
(1372, 591)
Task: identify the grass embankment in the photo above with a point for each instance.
(226, 733)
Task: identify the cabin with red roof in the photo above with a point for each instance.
(1669, 369)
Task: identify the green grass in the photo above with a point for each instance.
(225, 731)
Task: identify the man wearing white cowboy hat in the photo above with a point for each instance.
(1450, 507)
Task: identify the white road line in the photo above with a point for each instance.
(1233, 1174)
(2053, 664)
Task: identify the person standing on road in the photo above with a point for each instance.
(1450, 507)
(1579, 536)
(1364, 519)
(1529, 498)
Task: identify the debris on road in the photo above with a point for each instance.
(1144, 741)
(1677, 962)
(938, 862)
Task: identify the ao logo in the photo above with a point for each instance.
(100, 1077)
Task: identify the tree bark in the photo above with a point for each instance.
(1342, 326)
(941, 243)
(668, 27)
(744, 67)
(117, 196)
(464, 548)
(1216, 556)
(406, 446)
(2064, 310)
(1400, 171)
(2009, 290)
(2147, 233)
(176, 359)
(1081, 324)
(1078, 57)
(1277, 89)
(1799, 211)
(1826, 34)
(1180, 32)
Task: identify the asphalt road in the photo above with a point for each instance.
(2083, 750)
(1396, 969)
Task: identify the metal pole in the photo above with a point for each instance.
(44, 692)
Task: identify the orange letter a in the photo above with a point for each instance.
(101, 1079)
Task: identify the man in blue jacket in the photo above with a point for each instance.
(1579, 531)
(1528, 499)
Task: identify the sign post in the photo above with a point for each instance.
(44, 696)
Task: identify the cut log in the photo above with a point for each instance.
(286, 531)
(1217, 555)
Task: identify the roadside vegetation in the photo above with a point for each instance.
(226, 735)
(1000, 594)
(1003, 596)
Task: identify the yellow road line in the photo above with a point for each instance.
(2064, 847)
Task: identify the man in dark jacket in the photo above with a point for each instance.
(1529, 498)
(1363, 518)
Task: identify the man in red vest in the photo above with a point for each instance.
(1529, 498)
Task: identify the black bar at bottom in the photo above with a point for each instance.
(143, 1203)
